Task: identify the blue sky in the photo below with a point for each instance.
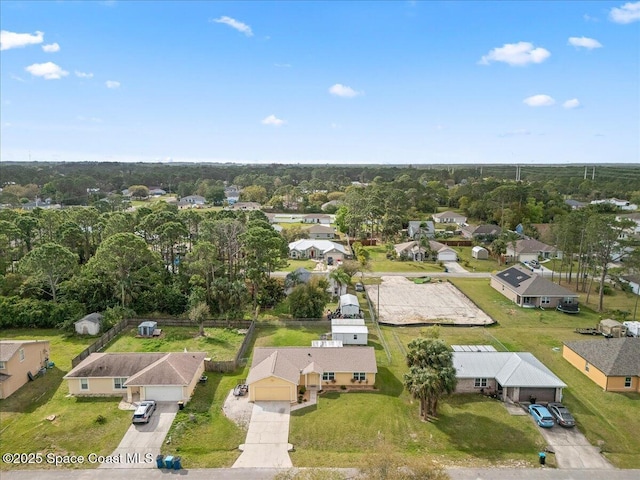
(321, 82)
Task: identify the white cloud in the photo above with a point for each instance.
(521, 53)
(539, 101)
(83, 74)
(49, 71)
(627, 13)
(112, 84)
(273, 121)
(16, 40)
(573, 103)
(340, 90)
(51, 48)
(233, 23)
(589, 18)
(584, 42)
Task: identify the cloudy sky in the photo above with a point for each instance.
(321, 82)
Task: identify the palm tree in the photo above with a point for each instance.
(341, 277)
(422, 385)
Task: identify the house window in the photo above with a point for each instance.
(627, 382)
(586, 366)
(480, 382)
(545, 300)
(359, 376)
(22, 354)
(3, 365)
(328, 376)
(84, 384)
(118, 383)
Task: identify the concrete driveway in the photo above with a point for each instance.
(267, 443)
(454, 267)
(573, 450)
(141, 444)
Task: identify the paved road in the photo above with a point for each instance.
(270, 473)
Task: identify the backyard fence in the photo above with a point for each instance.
(101, 342)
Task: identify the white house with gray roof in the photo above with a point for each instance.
(317, 249)
(517, 376)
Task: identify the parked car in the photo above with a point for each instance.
(561, 414)
(359, 287)
(534, 264)
(541, 415)
(144, 411)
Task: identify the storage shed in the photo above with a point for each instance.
(146, 329)
(480, 253)
(349, 305)
(89, 324)
(350, 334)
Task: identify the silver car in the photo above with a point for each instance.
(144, 411)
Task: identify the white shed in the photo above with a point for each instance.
(350, 334)
(89, 324)
(349, 305)
(347, 321)
(479, 252)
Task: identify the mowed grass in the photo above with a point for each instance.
(220, 344)
(24, 427)
(473, 264)
(296, 264)
(379, 263)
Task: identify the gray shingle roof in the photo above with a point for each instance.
(172, 369)
(511, 369)
(92, 317)
(8, 348)
(533, 246)
(612, 356)
(524, 282)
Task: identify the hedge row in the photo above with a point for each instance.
(16, 312)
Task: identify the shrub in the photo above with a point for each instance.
(100, 420)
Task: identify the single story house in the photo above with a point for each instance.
(331, 204)
(317, 249)
(147, 329)
(89, 324)
(418, 228)
(531, 249)
(530, 290)
(350, 334)
(322, 218)
(411, 250)
(278, 373)
(232, 194)
(484, 233)
(633, 281)
(156, 192)
(479, 253)
(349, 305)
(449, 217)
(192, 201)
(575, 204)
(443, 253)
(633, 231)
(517, 376)
(321, 232)
(621, 204)
(612, 363)
(244, 206)
(163, 377)
(20, 360)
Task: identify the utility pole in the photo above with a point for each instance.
(585, 172)
(593, 175)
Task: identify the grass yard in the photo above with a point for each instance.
(474, 265)
(296, 264)
(76, 428)
(379, 263)
(221, 344)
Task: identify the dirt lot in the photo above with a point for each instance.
(402, 302)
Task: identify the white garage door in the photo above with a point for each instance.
(163, 394)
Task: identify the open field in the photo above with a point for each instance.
(221, 344)
(403, 302)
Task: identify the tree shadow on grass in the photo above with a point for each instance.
(387, 383)
(34, 393)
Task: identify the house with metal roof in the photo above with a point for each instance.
(529, 290)
(278, 373)
(611, 363)
(517, 376)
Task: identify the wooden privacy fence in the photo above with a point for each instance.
(101, 342)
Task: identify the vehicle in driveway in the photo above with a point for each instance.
(144, 411)
(561, 414)
(359, 287)
(541, 415)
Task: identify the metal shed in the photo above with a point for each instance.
(349, 305)
(480, 253)
(350, 334)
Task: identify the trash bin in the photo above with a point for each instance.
(160, 461)
(542, 457)
(176, 463)
(180, 405)
(168, 461)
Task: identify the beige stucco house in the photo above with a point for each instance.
(18, 360)
(278, 373)
(612, 363)
(138, 376)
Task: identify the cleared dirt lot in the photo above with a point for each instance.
(402, 302)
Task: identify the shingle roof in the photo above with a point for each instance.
(320, 229)
(172, 369)
(288, 362)
(448, 214)
(524, 282)
(510, 369)
(113, 364)
(412, 246)
(612, 356)
(532, 245)
(8, 348)
(92, 317)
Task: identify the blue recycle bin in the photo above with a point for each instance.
(160, 461)
(168, 461)
(176, 463)
(542, 457)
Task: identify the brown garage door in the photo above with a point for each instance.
(540, 394)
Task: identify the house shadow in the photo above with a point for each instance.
(34, 393)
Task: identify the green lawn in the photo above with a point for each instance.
(221, 344)
(75, 430)
(474, 265)
(295, 264)
(379, 263)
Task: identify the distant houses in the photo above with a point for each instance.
(450, 218)
(419, 228)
